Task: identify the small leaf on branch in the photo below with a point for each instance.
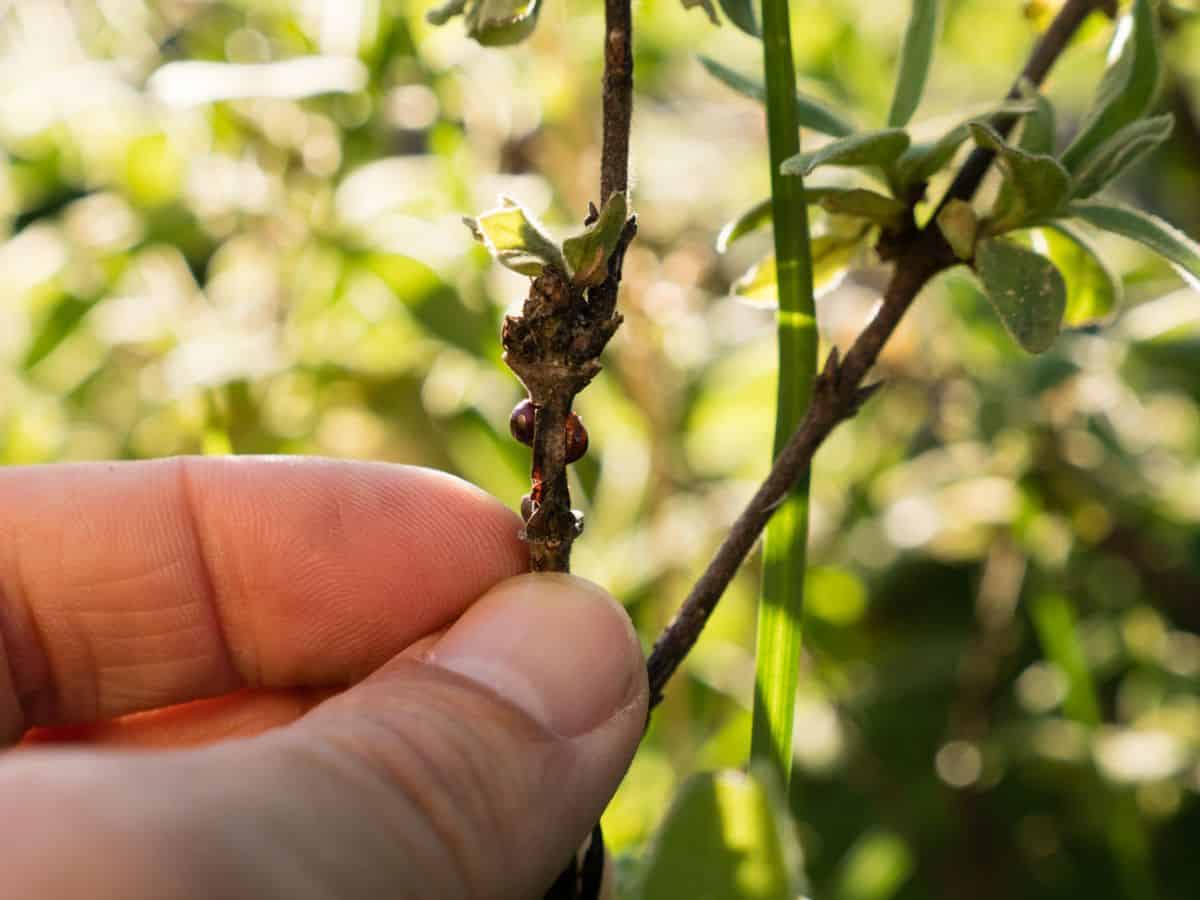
(707, 6)
(1039, 130)
(1035, 185)
(860, 203)
(750, 221)
(492, 23)
(872, 148)
(516, 239)
(1093, 289)
(916, 56)
(1025, 289)
(960, 227)
(741, 14)
(1119, 152)
(1150, 231)
(810, 112)
(1128, 87)
(920, 161)
(587, 253)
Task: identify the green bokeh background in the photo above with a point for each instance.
(188, 272)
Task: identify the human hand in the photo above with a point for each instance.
(391, 713)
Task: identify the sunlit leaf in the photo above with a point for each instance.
(960, 227)
(515, 239)
(810, 113)
(587, 253)
(491, 22)
(1119, 152)
(831, 258)
(1035, 185)
(873, 148)
(1150, 231)
(741, 14)
(64, 318)
(1093, 289)
(756, 217)
(1025, 289)
(1128, 87)
(726, 835)
(916, 56)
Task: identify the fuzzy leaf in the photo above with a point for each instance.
(1119, 152)
(727, 834)
(1128, 87)
(515, 239)
(920, 161)
(1025, 289)
(741, 14)
(1150, 231)
(587, 253)
(872, 148)
(916, 56)
(1038, 133)
(1035, 185)
(1093, 289)
(859, 203)
(810, 113)
(492, 23)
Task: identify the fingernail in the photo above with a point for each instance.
(558, 647)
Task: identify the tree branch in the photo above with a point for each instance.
(838, 392)
(554, 345)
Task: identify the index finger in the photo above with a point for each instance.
(131, 586)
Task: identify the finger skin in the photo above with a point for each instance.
(132, 586)
(418, 784)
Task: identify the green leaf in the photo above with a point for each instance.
(1150, 231)
(1035, 185)
(1119, 152)
(1128, 87)
(587, 253)
(751, 220)
(515, 239)
(831, 258)
(1093, 289)
(875, 868)
(810, 113)
(920, 161)
(872, 148)
(859, 203)
(1054, 622)
(1026, 290)
(64, 318)
(492, 23)
(960, 227)
(1039, 131)
(741, 14)
(726, 835)
(916, 56)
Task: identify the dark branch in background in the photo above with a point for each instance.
(554, 345)
(838, 393)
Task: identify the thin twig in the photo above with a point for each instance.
(838, 393)
(554, 344)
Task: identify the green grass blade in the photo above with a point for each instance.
(779, 615)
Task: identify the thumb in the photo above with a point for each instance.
(475, 771)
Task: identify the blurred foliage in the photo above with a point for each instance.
(236, 227)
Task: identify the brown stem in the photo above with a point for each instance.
(618, 97)
(838, 392)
